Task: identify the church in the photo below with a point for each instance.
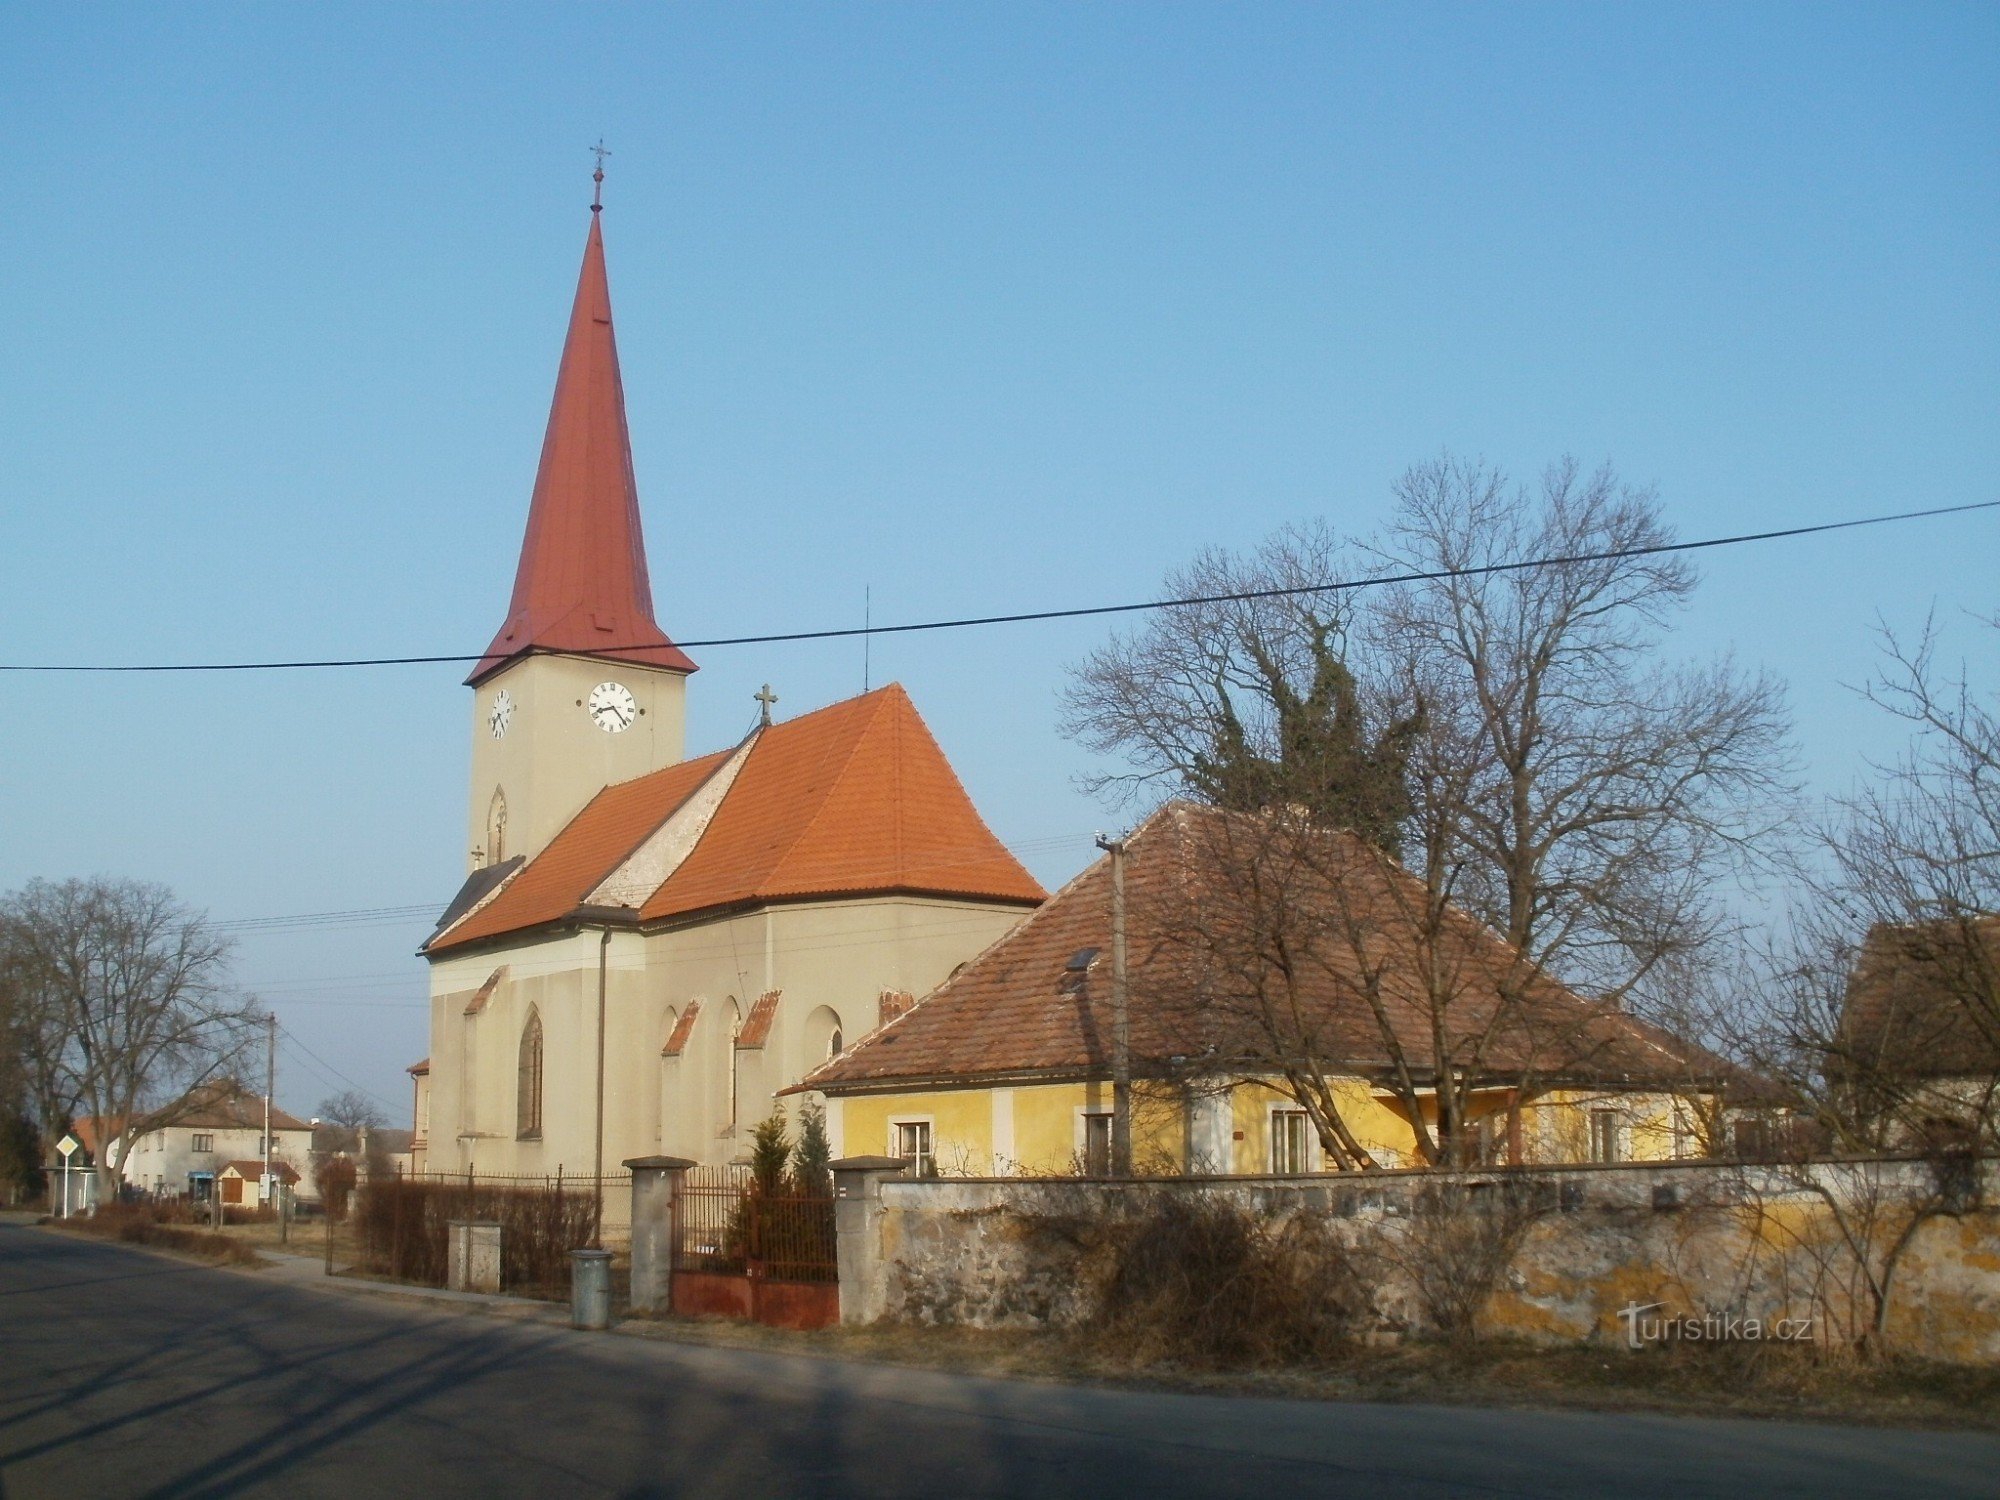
(649, 948)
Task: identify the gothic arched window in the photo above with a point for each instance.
(530, 1078)
(496, 827)
(735, 1033)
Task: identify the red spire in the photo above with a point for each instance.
(581, 587)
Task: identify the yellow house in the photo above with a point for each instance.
(1006, 1067)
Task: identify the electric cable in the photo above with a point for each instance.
(1347, 585)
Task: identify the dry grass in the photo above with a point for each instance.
(138, 1224)
(1713, 1381)
(306, 1237)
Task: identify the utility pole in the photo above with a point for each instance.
(270, 1088)
(597, 1156)
(1121, 1033)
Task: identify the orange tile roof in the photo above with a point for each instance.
(852, 799)
(1020, 1009)
(677, 1039)
(93, 1132)
(614, 823)
(253, 1170)
(756, 1028)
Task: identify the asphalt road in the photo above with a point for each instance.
(122, 1374)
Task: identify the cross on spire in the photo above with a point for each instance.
(764, 701)
(597, 177)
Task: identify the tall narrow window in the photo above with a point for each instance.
(912, 1140)
(496, 827)
(530, 1080)
(1288, 1140)
(1097, 1145)
(1605, 1142)
(735, 1033)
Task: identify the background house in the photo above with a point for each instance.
(219, 1123)
(1918, 1045)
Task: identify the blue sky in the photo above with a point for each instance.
(984, 308)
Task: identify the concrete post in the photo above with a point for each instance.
(473, 1264)
(590, 1289)
(857, 1227)
(656, 1192)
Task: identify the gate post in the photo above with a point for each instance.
(857, 1230)
(656, 1190)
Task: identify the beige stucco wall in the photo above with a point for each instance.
(830, 961)
(553, 758)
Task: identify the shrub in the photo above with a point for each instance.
(163, 1227)
(402, 1226)
(1201, 1281)
(335, 1177)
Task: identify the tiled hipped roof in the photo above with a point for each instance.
(853, 799)
(1924, 1000)
(216, 1106)
(1038, 1002)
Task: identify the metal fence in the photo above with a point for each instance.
(726, 1226)
(397, 1224)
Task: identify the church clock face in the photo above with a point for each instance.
(501, 714)
(611, 707)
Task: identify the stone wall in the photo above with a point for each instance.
(1695, 1241)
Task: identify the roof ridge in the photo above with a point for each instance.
(738, 755)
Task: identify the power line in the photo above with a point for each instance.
(325, 1068)
(1029, 616)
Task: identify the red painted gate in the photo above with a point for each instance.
(742, 1252)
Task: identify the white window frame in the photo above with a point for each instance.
(928, 1123)
(1607, 1125)
(1310, 1161)
(1080, 1134)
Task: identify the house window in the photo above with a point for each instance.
(1096, 1145)
(834, 1044)
(911, 1140)
(1606, 1141)
(1289, 1139)
(203, 1142)
(529, 1080)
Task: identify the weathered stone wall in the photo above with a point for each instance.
(1689, 1239)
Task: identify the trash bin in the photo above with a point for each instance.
(590, 1288)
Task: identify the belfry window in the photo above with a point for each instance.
(530, 1080)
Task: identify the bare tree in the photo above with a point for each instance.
(1883, 1001)
(123, 1002)
(353, 1111)
(1251, 702)
(1506, 724)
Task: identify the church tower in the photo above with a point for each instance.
(580, 687)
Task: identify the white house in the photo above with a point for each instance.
(218, 1124)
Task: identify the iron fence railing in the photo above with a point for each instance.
(400, 1223)
(726, 1225)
